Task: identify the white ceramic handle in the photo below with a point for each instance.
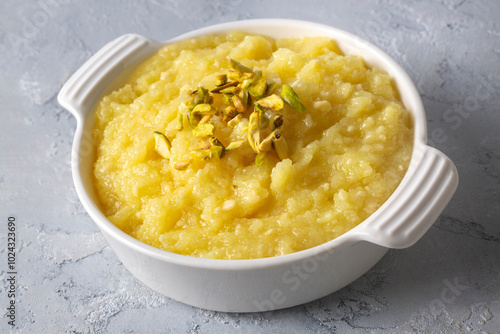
(419, 203)
(83, 89)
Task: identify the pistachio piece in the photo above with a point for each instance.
(267, 143)
(235, 144)
(204, 119)
(229, 111)
(221, 80)
(263, 118)
(270, 88)
(232, 123)
(238, 104)
(280, 146)
(243, 94)
(200, 95)
(214, 149)
(203, 130)
(226, 85)
(259, 159)
(257, 87)
(253, 130)
(273, 102)
(277, 121)
(237, 66)
(234, 75)
(182, 165)
(203, 109)
(162, 145)
(227, 99)
(290, 97)
(193, 120)
(230, 90)
(217, 147)
(179, 125)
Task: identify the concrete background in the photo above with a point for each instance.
(69, 280)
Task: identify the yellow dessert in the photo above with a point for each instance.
(239, 146)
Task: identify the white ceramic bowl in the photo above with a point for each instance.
(269, 283)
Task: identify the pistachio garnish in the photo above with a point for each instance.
(244, 94)
(257, 87)
(182, 165)
(203, 130)
(279, 145)
(214, 149)
(227, 99)
(277, 121)
(238, 104)
(273, 102)
(203, 109)
(271, 87)
(221, 80)
(267, 143)
(235, 65)
(235, 144)
(259, 159)
(290, 97)
(225, 85)
(230, 111)
(253, 130)
(180, 121)
(232, 123)
(162, 144)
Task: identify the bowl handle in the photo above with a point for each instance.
(85, 87)
(431, 182)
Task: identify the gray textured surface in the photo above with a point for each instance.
(71, 282)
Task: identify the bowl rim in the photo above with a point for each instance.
(419, 138)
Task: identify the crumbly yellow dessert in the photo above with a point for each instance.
(239, 146)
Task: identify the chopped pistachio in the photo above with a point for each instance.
(203, 130)
(244, 91)
(273, 102)
(230, 111)
(214, 150)
(217, 147)
(280, 146)
(234, 75)
(227, 99)
(203, 109)
(270, 88)
(179, 125)
(259, 159)
(290, 97)
(253, 130)
(162, 145)
(277, 121)
(245, 83)
(238, 104)
(220, 88)
(204, 119)
(235, 144)
(263, 119)
(191, 106)
(221, 80)
(199, 95)
(239, 67)
(182, 165)
(267, 143)
(193, 120)
(232, 123)
(230, 90)
(257, 87)
(243, 94)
